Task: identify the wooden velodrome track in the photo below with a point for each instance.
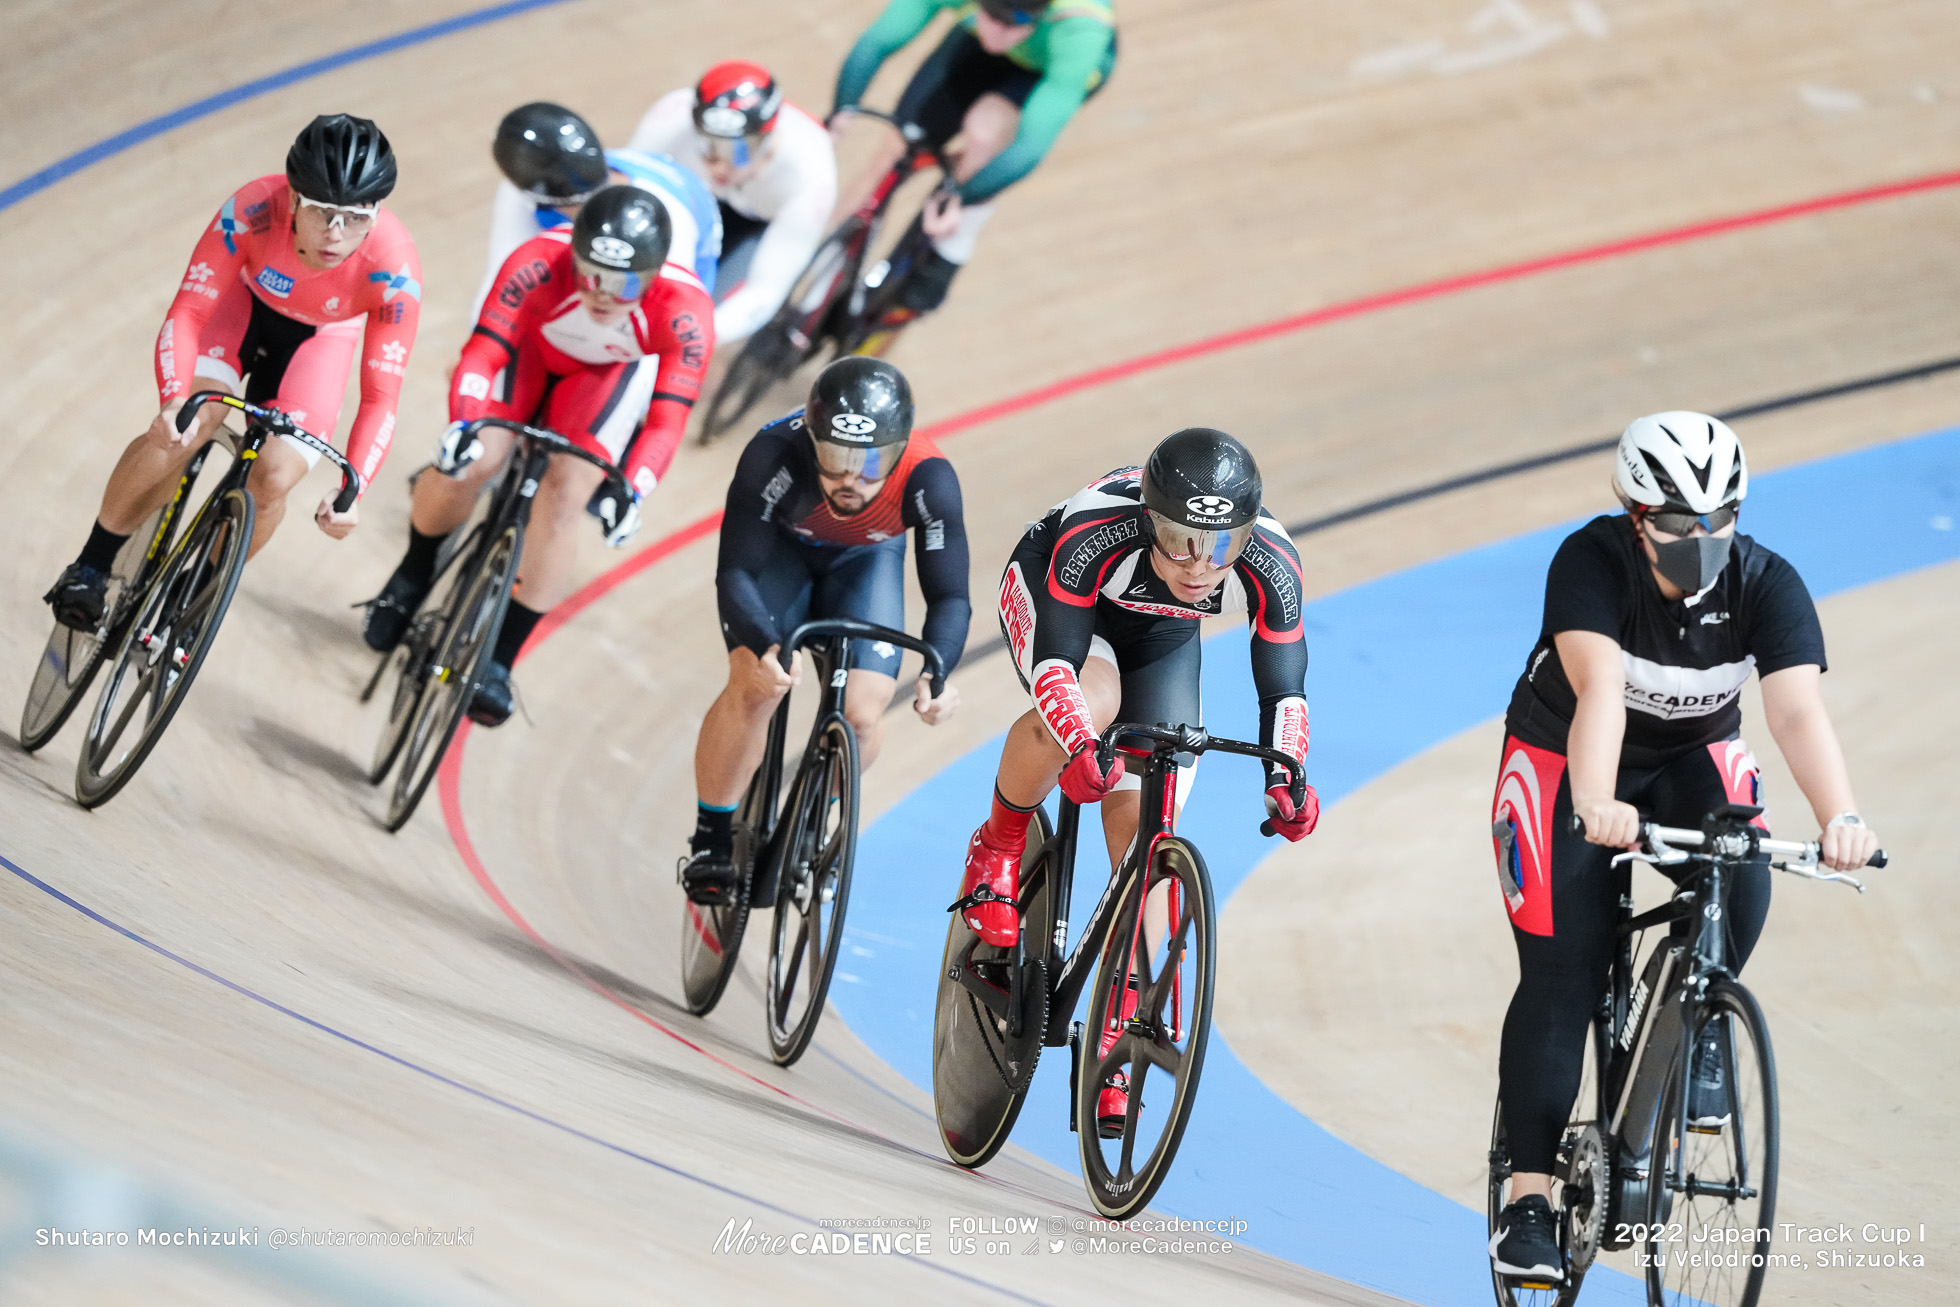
(1248, 162)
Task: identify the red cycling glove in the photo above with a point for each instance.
(1295, 824)
(1085, 782)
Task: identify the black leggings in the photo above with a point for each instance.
(1566, 946)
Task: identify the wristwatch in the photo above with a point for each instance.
(1846, 819)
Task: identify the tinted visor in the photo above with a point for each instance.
(872, 464)
(1680, 522)
(1181, 543)
(737, 151)
(619, 285)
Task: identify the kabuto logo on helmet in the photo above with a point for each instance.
(1209, 506)
(854, 426)
(719, 120)
(612, 251)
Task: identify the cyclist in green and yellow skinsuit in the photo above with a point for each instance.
(1006, 79)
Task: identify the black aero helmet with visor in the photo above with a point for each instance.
(859, 417)
(1203, 491)
(549, 153)
(619, 240)
(341, 162)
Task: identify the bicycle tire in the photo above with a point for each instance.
(797, 331)
(813, 894)
(469, 632)
(711, 935)
(1179, 972)
(193, 586)
(1580, 1172)
(980, 1075)
(1748, 1143)
(71, 658)
(409, 660)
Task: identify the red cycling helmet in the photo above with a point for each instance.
(736, 100)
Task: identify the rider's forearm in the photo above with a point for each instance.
(1801, 726)
(947, 620)
(1048, 109)
(1592, 746)
(901, 21)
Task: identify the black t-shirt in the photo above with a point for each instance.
(1686, 661)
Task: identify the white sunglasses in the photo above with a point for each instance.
(356, 216)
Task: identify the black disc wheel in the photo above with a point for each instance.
(711, 934)
(795, 334)
(70, 660)
(813, 889)
(467, 632)
(1581, 1195)
(1711, 1201)
(992, 1015)
(1143, 1046)
(172, 624)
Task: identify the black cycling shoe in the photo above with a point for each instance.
(389, 613)
(1526, 1243)
(493, 700)
(1708, 1096)
(709, 878)
(79, 597)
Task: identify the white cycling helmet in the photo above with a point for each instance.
(1682, 460)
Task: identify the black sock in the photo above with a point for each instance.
(419, 563)
(518, 624)
(714, 829)
(100, 551)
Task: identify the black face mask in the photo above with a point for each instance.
(1694, 563)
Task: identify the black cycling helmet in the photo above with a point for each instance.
(342, 160)
(1015, 13)
(859, 417)
(549, 153)
(622, 230)
(1203, 491)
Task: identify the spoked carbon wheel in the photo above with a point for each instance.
(70, 660)
(1712, 1196)
(765, 359)
(468, 631)
(405, 668)
(1581, 1195)
(813, 889)
(794, 334)
(157, 657)
(711, 934)
(1149, 1018)
(984, 1053)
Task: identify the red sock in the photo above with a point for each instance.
(1007, 825)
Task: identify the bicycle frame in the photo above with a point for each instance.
(1156, 819)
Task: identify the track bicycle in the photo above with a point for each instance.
(1152, 940)
(835, 299)
(169, 592)
(440, 660)
(796, 854)
(1684, 1172)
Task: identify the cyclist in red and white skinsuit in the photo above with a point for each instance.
(293, 274)
(556, 346)
(772, 167)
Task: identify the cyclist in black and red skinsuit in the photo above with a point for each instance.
(815, 527)
(1100, 605)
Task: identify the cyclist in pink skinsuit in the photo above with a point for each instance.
(293, 272)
